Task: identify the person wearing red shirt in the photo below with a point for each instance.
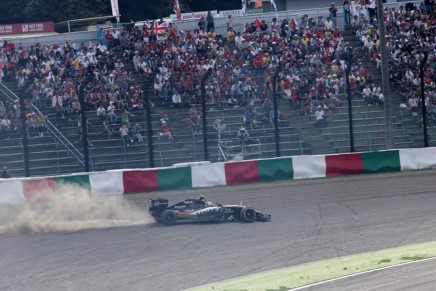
(320, 33)
(188, 85)
(286, 87)
(258, 61)
(103, 97)
(172, 34)
(166, 130)
(336, 33)
(109, 38)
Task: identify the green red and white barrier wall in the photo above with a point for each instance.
(119, 182)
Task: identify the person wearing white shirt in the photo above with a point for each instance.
(116, 37)
(376, 90)
(366, 94)
(229, 21)
(239, 40)
(6, 124)
(177, 99)
(124, 131)
(328, 24)
(381, 98)
(413, 103)
(137, 61)
(113, 118)
(369, 44)
(102, 47)
(372, 10)
(57, 101)
(91, 56)
(118, 66)
(101, 112)
(320, 117)
(157, 86)
(85, 63)
(409, 75)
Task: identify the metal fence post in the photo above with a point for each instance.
(276, 115)
(148, 116)
(385, 77)
(350, 103)
(423, 106)
(25, 140)
(84, 124)
(203, 113)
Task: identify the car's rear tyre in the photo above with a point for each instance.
(248, 214)
(168, 217)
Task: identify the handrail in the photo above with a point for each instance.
(368, 136)
(243, 149)
(221, 152)
(301, 145)
(57, 156)
(22, 151)
(299, 137)
(91, 164)
(50, 127)
(335, 143)
(194, 141)
(160, 148)
(402, 125)
(401, 118)
(124, 153)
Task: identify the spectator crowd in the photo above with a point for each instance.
(309, 56)
(410, 43)
(51, 76)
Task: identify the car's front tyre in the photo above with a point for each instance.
(248, 214)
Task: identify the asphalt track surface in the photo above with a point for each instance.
(312, 220)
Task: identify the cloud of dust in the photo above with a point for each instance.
(71, 208)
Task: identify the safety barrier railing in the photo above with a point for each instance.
(251, 149)
(53, 130)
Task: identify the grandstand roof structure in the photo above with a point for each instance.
(80, 24)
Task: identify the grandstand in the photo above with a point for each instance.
(115, 69)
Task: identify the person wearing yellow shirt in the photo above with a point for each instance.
(211, 33)
(75, 63)
(231, 34)
(304, 40)
(266, 59)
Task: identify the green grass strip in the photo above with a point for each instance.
(305, 274)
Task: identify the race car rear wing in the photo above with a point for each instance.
(157, 205)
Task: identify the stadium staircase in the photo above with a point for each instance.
(407, 127)
(48, 155)
(402, 136)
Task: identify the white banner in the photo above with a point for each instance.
(226, 13)
(194, 15)
(115, 9)
(273, 3)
